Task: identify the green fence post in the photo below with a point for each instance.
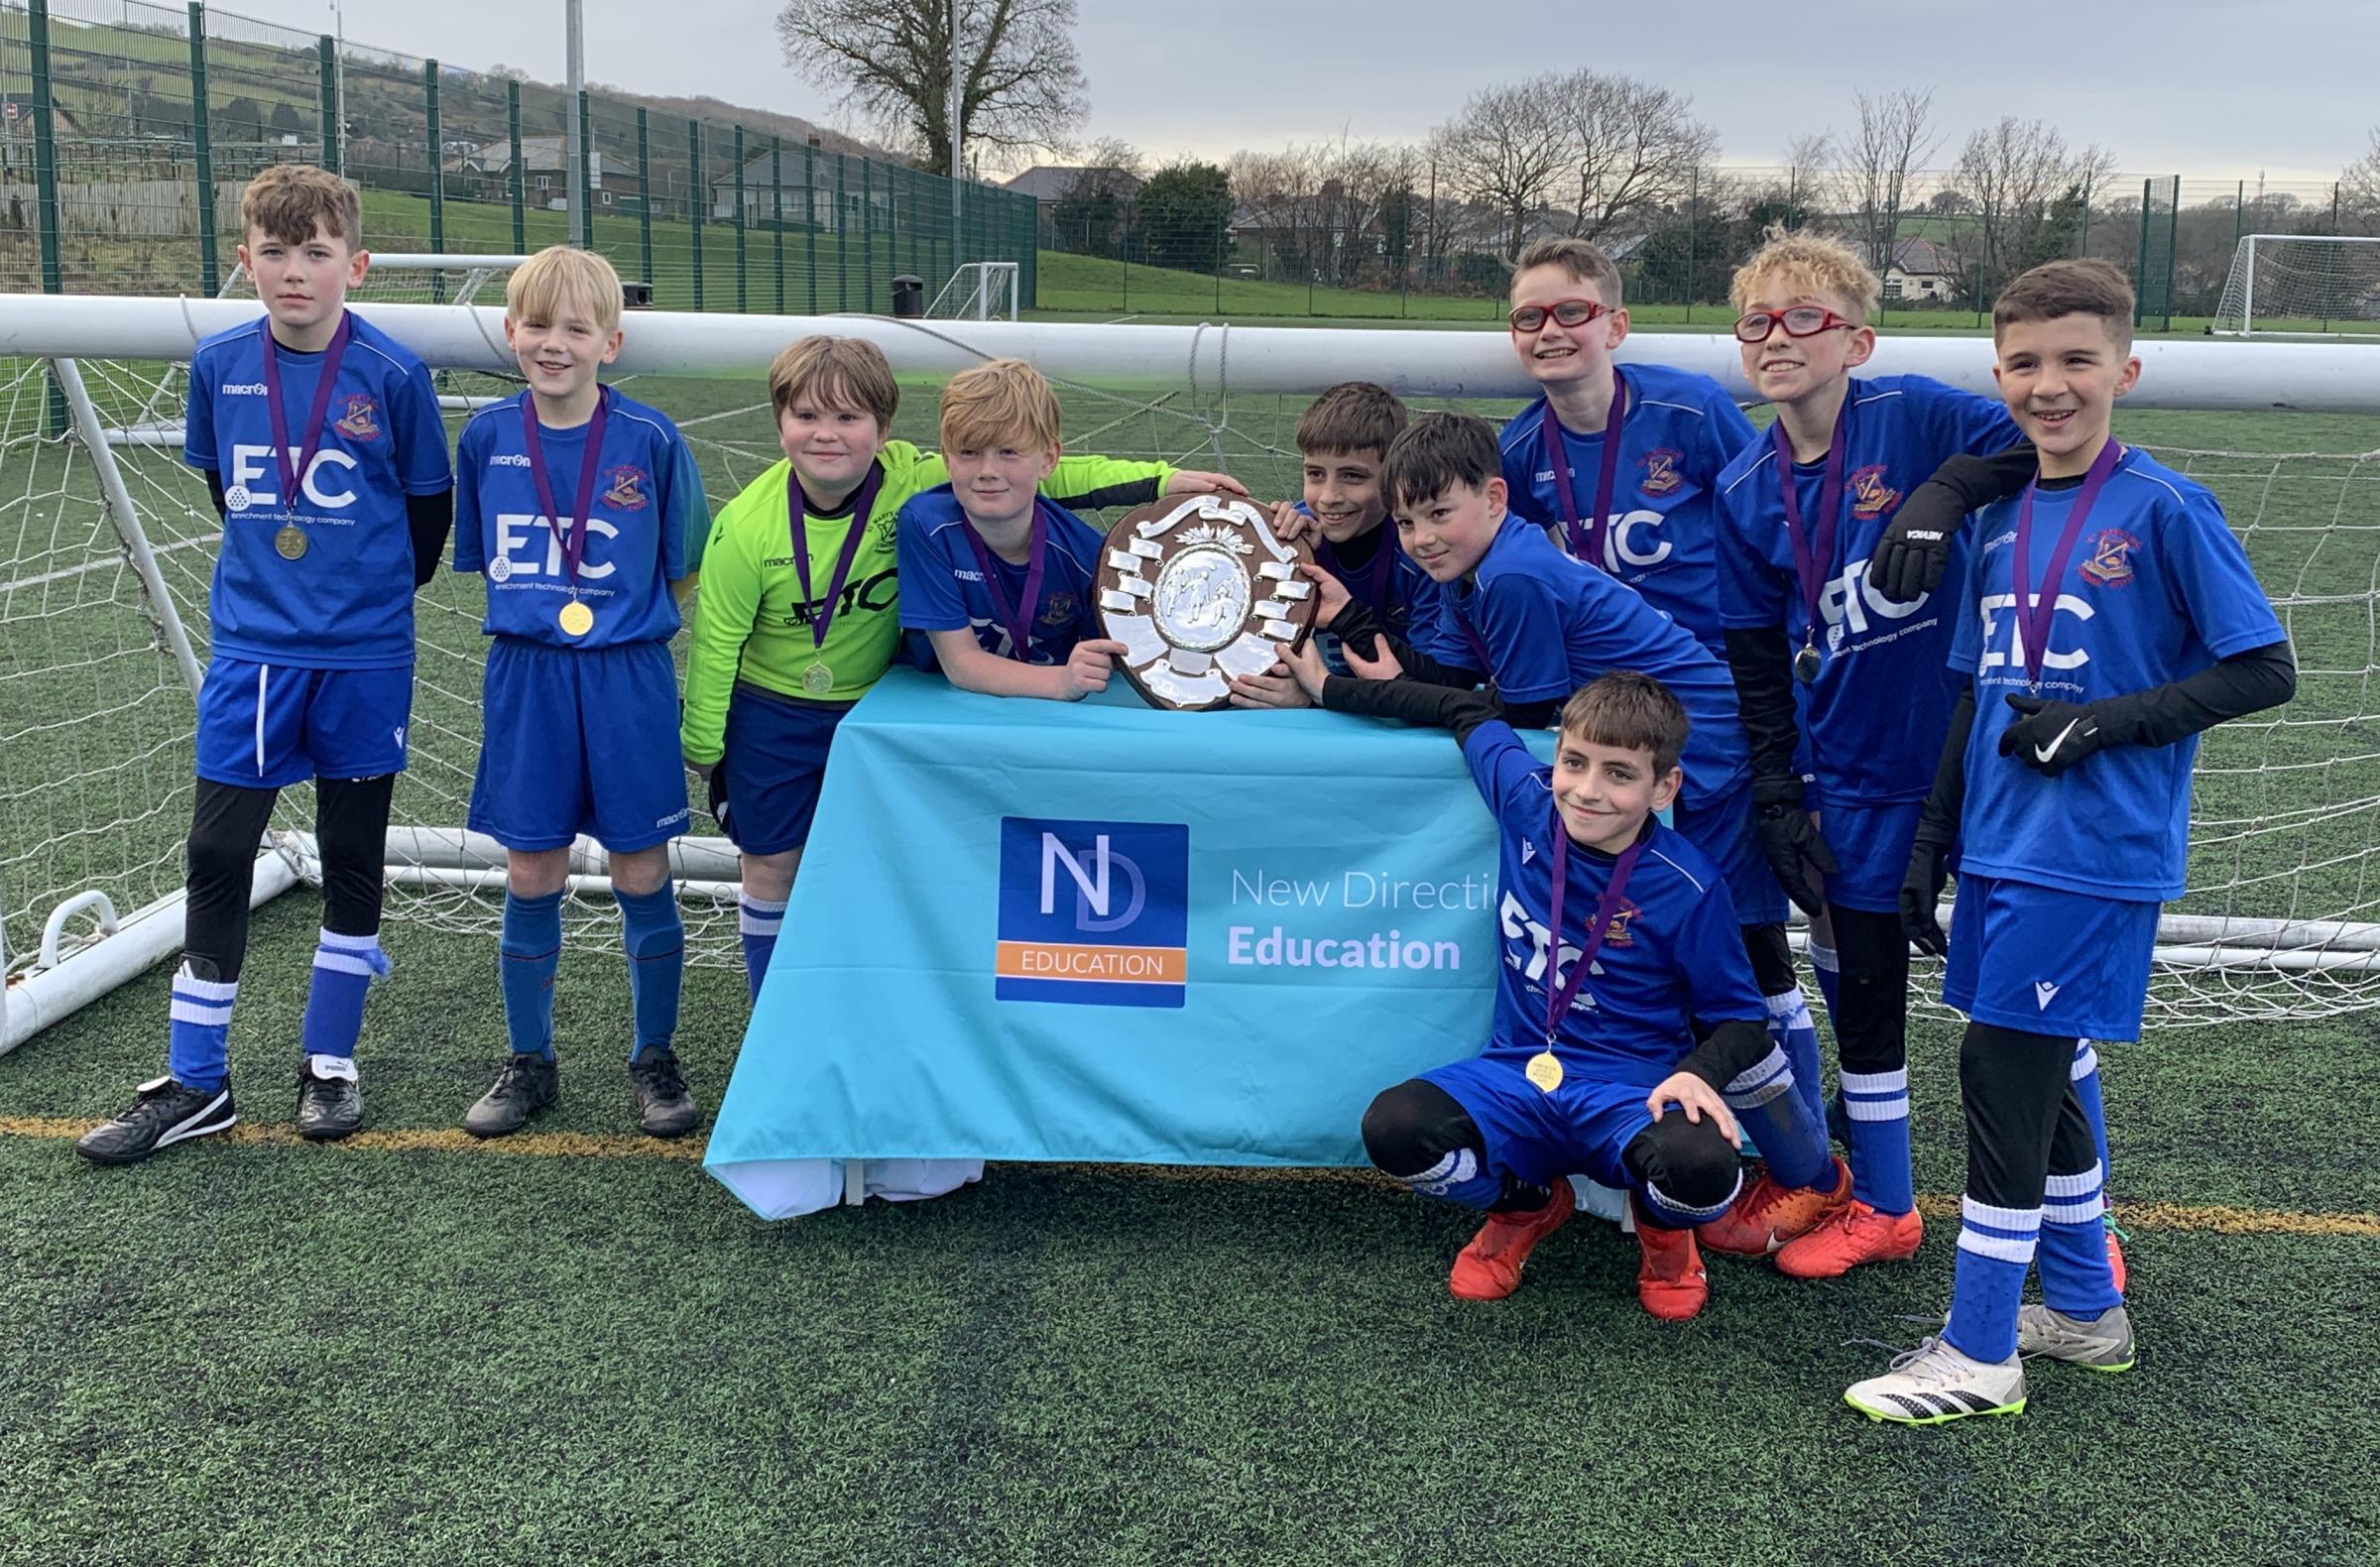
(45, 178)
(777, 211)
(2140, 271)
(1694, 194)
(2082, 245)
(209, 263)
(868, 232)
(695, 196)
(741, 304)
(586, 170)
(842, 237)
(809, 213)
(326, 54)
(513, 187)
(2172, 242)
(437, 178)
(644, 198)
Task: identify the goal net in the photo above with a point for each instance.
(2301, 286)
(106, 550)
(978, 291)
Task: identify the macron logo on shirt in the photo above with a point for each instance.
(509, 459)
(243, 389)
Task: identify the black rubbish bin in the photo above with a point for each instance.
(908, 295)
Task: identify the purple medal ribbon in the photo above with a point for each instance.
(582, 504)
(1559, 997)
(2036, 611)
(1813, 558)
(1586, 544)
(1017, 618)
(797, 505)
(331, 356)
(1384, 567)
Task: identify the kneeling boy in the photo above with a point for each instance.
(584, 511)
(1620, 952)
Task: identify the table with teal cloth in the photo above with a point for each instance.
(1099, 931)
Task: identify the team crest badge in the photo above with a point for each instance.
(1061, 608)
(361, 421)
(1871, 497)
(630, 489)
(2110, 561)
(1661, 474)
(1621, 931)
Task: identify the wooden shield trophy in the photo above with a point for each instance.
(1199, 589)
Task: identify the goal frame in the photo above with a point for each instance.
(975, 290)
(2243, 268)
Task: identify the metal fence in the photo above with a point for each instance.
(127, 131)
(1416, 249)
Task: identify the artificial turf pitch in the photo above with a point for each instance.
(574, 1346)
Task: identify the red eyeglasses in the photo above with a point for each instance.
(1566, 312)
(1800, 320)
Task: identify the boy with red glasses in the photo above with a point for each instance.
(1620, 469)
(1840, 682)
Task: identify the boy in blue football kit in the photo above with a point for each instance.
(997, 579)
(2108, 615)
(1619, 467)
(1624, 990)
(1343, 438)
(583, 510)
(1838, 681)
(322, 443)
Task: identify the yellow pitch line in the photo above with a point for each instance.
(2211, 1218)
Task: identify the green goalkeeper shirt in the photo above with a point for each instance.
(753, 623)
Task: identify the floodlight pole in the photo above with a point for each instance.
(957, 169)
(572, 153)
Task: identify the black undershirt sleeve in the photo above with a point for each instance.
(1938, 823)
(1434, 706)
(1133, 492)
(430, 518)
(214, 488)
(1764, 699)
(1357, 625)
(2247, 682)
(1732, 1048)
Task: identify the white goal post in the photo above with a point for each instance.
(105, 550)
(978, 291)
(2301, 286)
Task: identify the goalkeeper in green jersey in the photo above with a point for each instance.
(800, 605)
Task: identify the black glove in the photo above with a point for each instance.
(1791, 841)
(2049, 737)
(1921, 892)
(1908, 561)
(718, 793)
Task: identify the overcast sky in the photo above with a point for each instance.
(2207, 89)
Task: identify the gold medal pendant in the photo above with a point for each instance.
(290, 543)
(575, 619)
(819, 679)
(1545, 1070)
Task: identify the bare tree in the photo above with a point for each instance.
(1631, 147)
(1021, 83)
(1894, 138)
(1506, 148)
(1810, 175)
(2027, 191)
(2359, 188)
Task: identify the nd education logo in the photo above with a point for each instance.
(1094, 912)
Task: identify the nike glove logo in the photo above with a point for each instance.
(2051, 750)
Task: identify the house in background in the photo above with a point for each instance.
(1050, 184)
(1920, 273)
(545, 174)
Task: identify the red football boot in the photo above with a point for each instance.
(1670, 1282)
(1766, 1214)
(1489, 1269)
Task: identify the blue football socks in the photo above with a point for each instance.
(656, 937)
(530, 952)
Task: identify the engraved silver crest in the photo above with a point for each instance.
(1200, 590)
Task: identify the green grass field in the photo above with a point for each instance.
(574, 1346)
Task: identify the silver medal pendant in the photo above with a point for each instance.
(1806, 664)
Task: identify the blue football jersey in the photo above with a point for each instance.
(1874, 718)
(1548, 625)
(347, 602)
(942, 585)
(1672, 954)
(1663, 536)
(645, 528)
(2156, 589)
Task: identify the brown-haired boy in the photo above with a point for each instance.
(2106, 617)
(1621, 951)
(798, 612)
(322, 443)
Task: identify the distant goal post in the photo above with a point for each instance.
(2301, 286)
(978, 291)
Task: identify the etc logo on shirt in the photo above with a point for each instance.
(1093, 912)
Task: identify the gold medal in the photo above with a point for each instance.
(819, 679)
(1545, 1070)
(576, 619)
(289, 541)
